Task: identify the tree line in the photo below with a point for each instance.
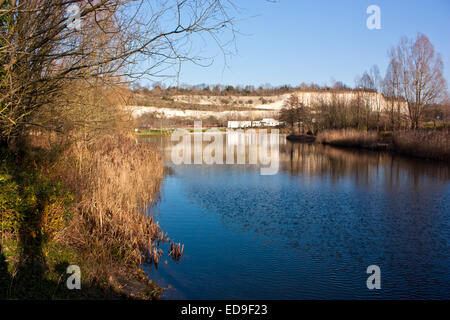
(413, 90)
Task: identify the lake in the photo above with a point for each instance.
(308, 232)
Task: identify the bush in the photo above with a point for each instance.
(423, 144)
(224, 101)
(33, 203)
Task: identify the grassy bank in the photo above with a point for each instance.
(428, 144)
(154, 132)
(80, 206)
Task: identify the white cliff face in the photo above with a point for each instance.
(265, 106)
(373, 100)
(256, 102)
(137, 111)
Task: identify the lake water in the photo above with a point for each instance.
(308, 232)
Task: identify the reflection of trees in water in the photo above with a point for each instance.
(364, 167)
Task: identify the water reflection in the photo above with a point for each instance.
(364, 167)
(313, 160)
(327, 209)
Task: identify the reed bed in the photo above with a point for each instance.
(115, 180)
(423, 144)
(108, 186)
(348, 138)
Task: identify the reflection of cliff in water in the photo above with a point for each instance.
(314, 160)
(329, 198)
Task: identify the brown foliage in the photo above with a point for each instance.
(43, 56)
(424, 144)
(115, 180)
(348, 138)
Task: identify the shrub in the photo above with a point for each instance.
(423, 144)
(31, 202)
(348, 138)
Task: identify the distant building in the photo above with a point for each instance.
(246, 124)
(239, 124)
(269, 122)
(234, 124)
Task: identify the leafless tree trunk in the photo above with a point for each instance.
(391, 90)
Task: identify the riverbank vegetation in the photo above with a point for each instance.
(348, 138)
(428, 144)
(407, 111)
(75, 186)
(423, 144)
(153, 132)
(83, 206)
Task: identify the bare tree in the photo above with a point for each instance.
(391, 91)
(365, 87)
(375, 75)
(289, 112)
(295, 112)
(43, 60)
(421, 81)
(365, 82)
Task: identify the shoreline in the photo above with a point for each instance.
(380, 143)
(53, 219)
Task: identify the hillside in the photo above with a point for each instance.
(247, 107)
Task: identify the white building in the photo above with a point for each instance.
(269, 122)
(246, 124)
(239, 124)
(234, 124)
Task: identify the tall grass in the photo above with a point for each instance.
(115, 180)
(348, 138)
(86, 199)
(424, 144)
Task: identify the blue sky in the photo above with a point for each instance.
(294, 41)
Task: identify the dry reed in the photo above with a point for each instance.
(424, 144)
(115, 180)
(176, 250)
(348, 138)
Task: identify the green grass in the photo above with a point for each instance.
(47, 278)
(153, 132)
(156, 132)
(434, 125)
(34, 208)
(207, 129)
